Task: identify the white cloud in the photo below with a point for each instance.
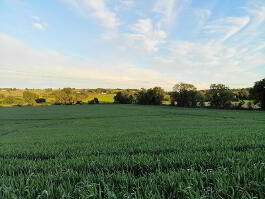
(170, 9)
(55, 69)
(96, 8)
(228, 27)
(202, 16)
(149, 35)
(39, 26)
(257, 10)
(127, 3)
(211, 62)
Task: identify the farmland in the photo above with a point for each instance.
(131, 151)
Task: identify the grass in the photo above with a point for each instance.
(130, 151)
(103, 98)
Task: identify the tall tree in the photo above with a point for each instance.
(152, 96)
(123, 98)
(258, 92)
(185, 95)
(220, 96)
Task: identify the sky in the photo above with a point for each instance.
(131, 43)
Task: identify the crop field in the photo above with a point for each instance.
(131, 151)
(105, 98)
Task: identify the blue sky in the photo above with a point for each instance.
(131, 43)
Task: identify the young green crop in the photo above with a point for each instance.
(131, 151)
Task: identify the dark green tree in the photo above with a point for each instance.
(185, 95)
(152, 96)
(123, 98)
(258, 92)
(220, 96)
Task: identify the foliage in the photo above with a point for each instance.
(2, 96)
(123, 98)
(40, 100)
(220, 96)
(240, 104)
(185, 95)
(258, 92)
(80, 95)
(120, 151)
(94, 101)
(183, 87)
(241, 94)
(10, 100)
(152, 96)
(29, 97)
(65, 96)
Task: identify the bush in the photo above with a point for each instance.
(123, 98)
(258, 92)
(79, 102)
(2, 96)
(57, 103)
(202, 104)
(40, 100)
(10, 100)
(249, 105)
(240, 104)
(29, 97)
(152, 96)
(19, 104)
(94, 101)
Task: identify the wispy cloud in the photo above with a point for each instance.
(51, 66)
(149, 35)
(38, 24)
(98, 9)
(227, 27)
(155, 42)
(127, 3)
(170, 10)
(202, 15)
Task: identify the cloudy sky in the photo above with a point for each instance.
(131, 43)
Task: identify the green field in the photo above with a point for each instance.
(131, 151)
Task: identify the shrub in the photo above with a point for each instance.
(2, 96)
(40, 100)
(94, 101)
(10, 100)
(249, 105)
(123, 98)
(152, 96)
(79, 102)
(240, 104)
(258, 92)
(29, 97)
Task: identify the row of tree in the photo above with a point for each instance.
(152, 96)
(183, 95)
(187, 95)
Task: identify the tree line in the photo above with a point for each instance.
(187, 95)
(182, 95)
